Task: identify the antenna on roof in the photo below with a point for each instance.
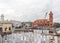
(46, 15)
(49, 7)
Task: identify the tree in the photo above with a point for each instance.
(56, 25)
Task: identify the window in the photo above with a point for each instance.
(9, 28)
(20, 27)
(50, 31)
(1, 29)
(6, 29)
(48, 24)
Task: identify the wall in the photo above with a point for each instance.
(7, 25)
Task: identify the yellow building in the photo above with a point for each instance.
(5, 26)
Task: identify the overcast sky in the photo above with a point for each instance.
(29, 10)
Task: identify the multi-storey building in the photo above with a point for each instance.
(44, 22)
(5, 26)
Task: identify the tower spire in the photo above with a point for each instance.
(2, 17)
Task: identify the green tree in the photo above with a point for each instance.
(56, 25)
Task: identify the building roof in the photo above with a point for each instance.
(23, 30)
(5, 22)
(41, 29)
(41, 21)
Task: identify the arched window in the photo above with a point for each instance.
(9, 28)
(6, 29)
(1, 29)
